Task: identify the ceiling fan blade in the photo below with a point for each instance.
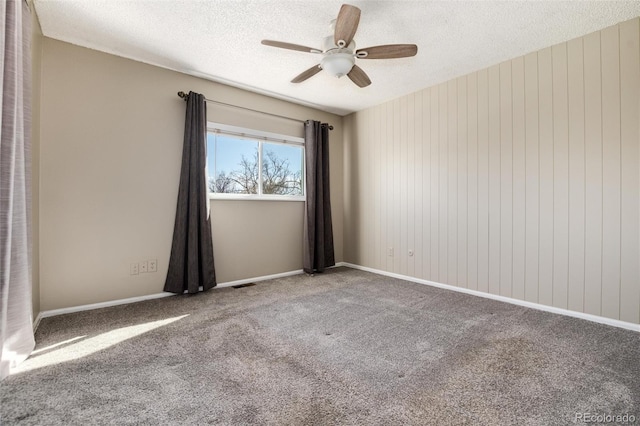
(290, 46)
(346, 25)
(388, 51)
(307, 74)
(359, 77)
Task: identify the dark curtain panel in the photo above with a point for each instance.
(191, 264)
(318, 232)
(16, 330)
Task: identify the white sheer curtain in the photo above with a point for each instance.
(16, 329)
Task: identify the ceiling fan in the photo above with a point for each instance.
(339, 50)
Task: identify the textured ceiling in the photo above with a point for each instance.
(220, 39)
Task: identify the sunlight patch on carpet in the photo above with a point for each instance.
(56, 345)
(81, 346)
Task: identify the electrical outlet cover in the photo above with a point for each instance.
(143, 267)
(133, 269)
(153, 265)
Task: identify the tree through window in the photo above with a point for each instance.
(233, 165)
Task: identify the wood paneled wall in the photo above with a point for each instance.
(521, 180)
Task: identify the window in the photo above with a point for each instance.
(245, 163)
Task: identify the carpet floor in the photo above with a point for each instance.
(344, 347)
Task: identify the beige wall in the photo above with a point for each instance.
(111, 146)
(520, 180)
(36, 63)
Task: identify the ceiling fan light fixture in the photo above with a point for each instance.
(339, 52)
(338, 64)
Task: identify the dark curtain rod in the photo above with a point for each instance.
(184, 96)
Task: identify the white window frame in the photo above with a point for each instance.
(260, 137)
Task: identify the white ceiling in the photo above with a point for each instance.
(220, 39)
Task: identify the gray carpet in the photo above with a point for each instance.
(343, 347)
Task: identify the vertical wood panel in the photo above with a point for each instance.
(630, 152)
(452, 182)
(426, 188)
(415, 187)
(381, 231)
(360, 176)
(411, 185)
(354, 176)
(483, 180)
(519, 177)
(472, 203)
(575, 64)
(385, 182)
(419, 189)
(374, 194)
(593, 168)
(463, 168)
(532, 171)
(378, 182)
(521, 180)
(379, 250)
(392, 178)
(381, 138)
(560, 176)
(388, 183)
(494, 179)
(369, 197)
(357, 125)
(375, 141)
(610, 52)
(435, 183)
(397, 172)
(545, 114)
(506, 180)
(365, 206)
(443, 198)
(403, 210)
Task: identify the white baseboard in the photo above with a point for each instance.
(62, 311)
(36, 322)
(262, 278)
(581, 315)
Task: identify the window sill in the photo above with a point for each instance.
(252, 197)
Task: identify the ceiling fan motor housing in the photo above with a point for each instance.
(328, 44)
(337, 61)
